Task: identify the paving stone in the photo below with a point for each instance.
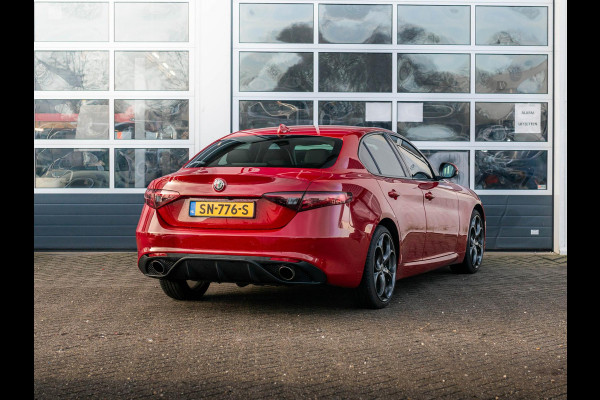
(103, 330)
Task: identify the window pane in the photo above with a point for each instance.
(71, 22)
(276, 23)
(434, 73)
(367, 160)
(434, 24)
(356, 113)
(136, 168)
(71, 168)
(511, 26)
(417, 165)
(458, 158)
(276, 72)
(291, 151)
(345, 23)
(70, 70)
(151, 70)
(511, 73)
(151, 22)
(511, 122)
(434, 120)
(70, 119)
(511, 169)
(265, 113)
(384, 156)
(355, 72)
(156, 119)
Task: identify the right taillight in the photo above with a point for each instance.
(298, 201)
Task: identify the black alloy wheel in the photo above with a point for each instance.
(379, 276)
(475, 246)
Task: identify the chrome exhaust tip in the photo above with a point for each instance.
(157, 266)
(286, 273)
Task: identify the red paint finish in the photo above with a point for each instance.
(431, 217)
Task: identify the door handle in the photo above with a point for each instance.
(393, 194)
(429, 196)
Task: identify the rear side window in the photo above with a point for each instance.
(290, 151)
(417, 164)
(384, 158)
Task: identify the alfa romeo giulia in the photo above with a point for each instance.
(345, 206)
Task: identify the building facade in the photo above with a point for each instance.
(126, 91)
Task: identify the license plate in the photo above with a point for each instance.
(227, 209)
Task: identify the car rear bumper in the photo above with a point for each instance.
(321, 244)
(226, 268)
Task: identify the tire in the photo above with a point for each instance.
(475, 246)
(184, 290)
(379, 276)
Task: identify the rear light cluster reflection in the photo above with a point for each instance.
(300, 201)
(156, 198)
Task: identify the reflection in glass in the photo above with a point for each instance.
(266, 113)
(511, 73)
(498, 122)
(356, 113)
(71, 22)
(70, 119)
(511, 26)
(151, 70)
(511, 169)
(434, 73)
(276, 72)
(355, 72)
(70, 70)
(71, 168)
(156, 119)
(151, 22)
(434, 120)
(345, 23)
(458, 158)
(136, 168)
(276, 23)
(434, 24)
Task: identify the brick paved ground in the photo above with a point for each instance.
(103, 330)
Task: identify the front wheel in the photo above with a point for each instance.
(474, 250)
(184, 290)
(379, 275)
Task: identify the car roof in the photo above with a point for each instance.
(326, 130)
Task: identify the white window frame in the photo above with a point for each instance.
(111, 94)
(394, 97)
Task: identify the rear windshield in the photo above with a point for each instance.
(290, 151)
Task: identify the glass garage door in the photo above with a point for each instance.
(468, 82)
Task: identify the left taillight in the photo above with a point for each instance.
(156, 198)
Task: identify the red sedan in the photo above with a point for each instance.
(346, 206)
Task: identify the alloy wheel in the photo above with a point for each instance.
(384, 270)
(476, 241)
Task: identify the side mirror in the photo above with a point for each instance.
(448, 170)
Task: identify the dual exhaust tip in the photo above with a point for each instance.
(286, 273)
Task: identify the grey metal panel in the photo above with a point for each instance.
(510, 220)
(86, 221)
(108, 221)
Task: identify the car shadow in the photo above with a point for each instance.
(313, 298)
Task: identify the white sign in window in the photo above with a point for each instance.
(410, 112)
(378, 112)
(528, 118)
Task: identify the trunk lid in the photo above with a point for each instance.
(243, 186)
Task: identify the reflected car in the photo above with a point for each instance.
(353, 207)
